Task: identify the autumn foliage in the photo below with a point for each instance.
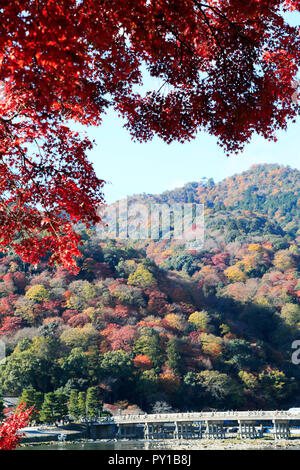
(203, 328)
(224, 66)
(10, 434)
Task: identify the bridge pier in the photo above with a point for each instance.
(146, 431)
(247, 429)
(214, 430)
(281, 429)
(176, 431)
(154, 431)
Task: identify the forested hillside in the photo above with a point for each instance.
(149, 321)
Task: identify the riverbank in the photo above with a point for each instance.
(233, 444)
(222, 444)
(50, 434)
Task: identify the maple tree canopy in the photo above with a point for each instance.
(225, 66)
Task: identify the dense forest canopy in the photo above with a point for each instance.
(148, 322)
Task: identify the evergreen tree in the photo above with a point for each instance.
(54, 407)
(73, 407)
(34, 399)
(92, 402)
(173, 355)
(48, 408)
(82, 404)
(61, 408)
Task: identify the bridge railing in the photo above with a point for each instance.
(201, 416)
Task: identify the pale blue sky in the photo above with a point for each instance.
(153, 167)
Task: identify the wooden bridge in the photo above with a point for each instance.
(197, 425)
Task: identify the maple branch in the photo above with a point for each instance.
(36, 184)
(219, 13)
(213, 32)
